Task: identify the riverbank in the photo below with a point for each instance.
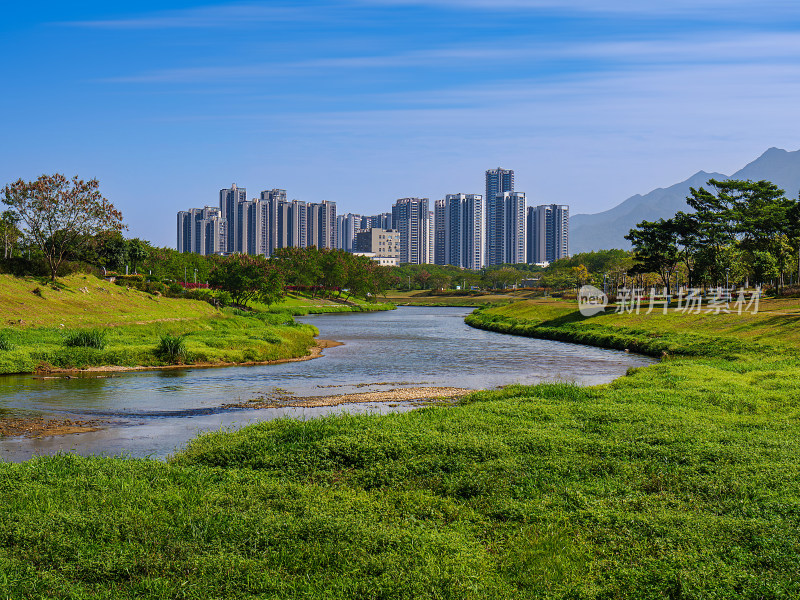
(41, 323)
(772, 330)
(45, 427)
(407, 394)
(468, 299)
(678, 480)
(15, 426)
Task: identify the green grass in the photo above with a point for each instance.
(86, 301)
(225, 338)
(91, 323)
(298, 304)
(86, 338)
(773, 330)
(681, 480)
(427, 298)
(172, 348)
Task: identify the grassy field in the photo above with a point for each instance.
(426, 298)
(681, 480)
(773, 328)
(84, 300)
(298, 305)
(36, 328)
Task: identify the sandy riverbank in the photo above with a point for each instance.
(42, 427)
(410, 394)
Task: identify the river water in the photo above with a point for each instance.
(154, 413)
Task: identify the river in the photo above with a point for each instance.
(154, 413)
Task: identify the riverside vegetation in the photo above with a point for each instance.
(677, 481)
(82, 321)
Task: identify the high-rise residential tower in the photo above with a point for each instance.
(202, 230)
(274, 207)
(548, 233)
(498, 181)
(296, 224)
(464, 231)
(321, 224)
(505, 229)
(346, 228)
(412, 219)
(440, 232)
(229, 199)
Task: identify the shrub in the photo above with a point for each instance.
(5, 344)
(197, 294)
(223, 298)
(172, 348)
(272, 338)
(154, 287)
(175, 289)
(86, 338)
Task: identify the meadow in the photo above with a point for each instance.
(82, 322)
(680, 480)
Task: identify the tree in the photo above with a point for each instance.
(137, 252)
(9, 231)
(422, 278)
(440, 281)
(654, 249)
(300, 266)
(61, 215)
(581, 275)
(247, 278)
(109, 249)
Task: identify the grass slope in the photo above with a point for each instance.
(681, 480)
(132, 324)
(299, 304)
(772, 329)
(99, 304)
(429, 298)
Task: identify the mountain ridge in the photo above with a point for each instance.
(606, 229)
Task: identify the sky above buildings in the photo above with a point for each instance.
(363, 102)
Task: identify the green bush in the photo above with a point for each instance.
(172, 348)
(222, 297)
(86, 338)
(272, 338)
(197, 294)
(5, 344)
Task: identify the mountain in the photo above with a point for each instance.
(607, 229)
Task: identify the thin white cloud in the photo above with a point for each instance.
(202, 17)
(248, 13)
(722, 48)
(723, 9)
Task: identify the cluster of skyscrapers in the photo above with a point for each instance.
(465, 230)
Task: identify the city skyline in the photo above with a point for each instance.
(463, 230)
(592, 102)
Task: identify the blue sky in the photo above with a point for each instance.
(363, 102)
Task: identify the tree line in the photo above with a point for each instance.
(54, 225)
(739, 232)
